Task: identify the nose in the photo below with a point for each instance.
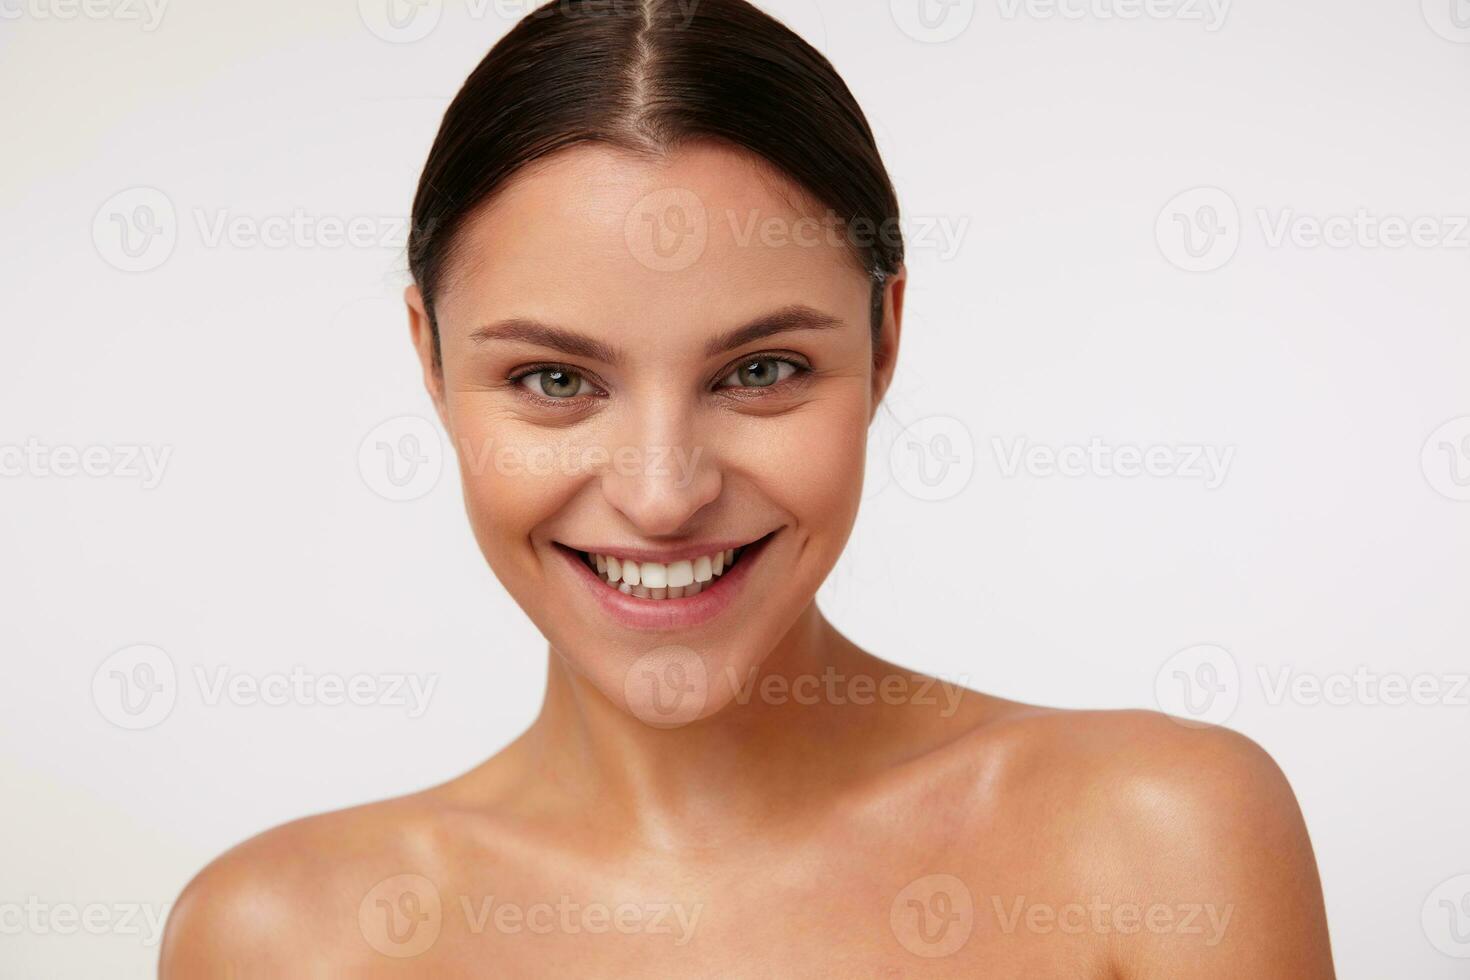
(659, 475)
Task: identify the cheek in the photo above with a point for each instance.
(812, 461)
(514, 477)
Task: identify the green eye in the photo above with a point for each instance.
(759, 372)
(554, 383)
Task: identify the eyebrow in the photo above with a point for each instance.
(784, 320)
(791, 318)
(539, 334)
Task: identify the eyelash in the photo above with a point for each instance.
(800, 370)
(531, 370)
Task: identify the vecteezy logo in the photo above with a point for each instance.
(136, 687)
(1445, 459)
(1199, 230)
(933, 21)
(667, 687)
(1450, 19)
(402, 458)
(668, 230)
(401, 21)
(1446, 917)
(933, 916)
(1200, 684)
(401, 916)
(135, 230)
(934, 458)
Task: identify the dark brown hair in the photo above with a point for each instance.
(646, 76)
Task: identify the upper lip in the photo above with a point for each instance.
(683, 552)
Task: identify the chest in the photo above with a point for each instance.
(868, 921)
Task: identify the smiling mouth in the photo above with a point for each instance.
(661, 581)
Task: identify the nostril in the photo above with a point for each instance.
(662, 496)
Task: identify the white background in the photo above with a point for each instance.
(1054, 145)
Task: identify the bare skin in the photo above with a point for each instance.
(823, 813)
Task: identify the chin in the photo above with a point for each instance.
(673, 661)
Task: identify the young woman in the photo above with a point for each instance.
(657, 299)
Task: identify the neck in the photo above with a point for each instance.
(759, 757)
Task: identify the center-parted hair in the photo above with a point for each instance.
(647, 76)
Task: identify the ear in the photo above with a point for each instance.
(885, 351)
(422, 333)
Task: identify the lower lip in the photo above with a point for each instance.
(656, 615)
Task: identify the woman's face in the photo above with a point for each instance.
(647, 366)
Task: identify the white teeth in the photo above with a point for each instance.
(663, 580)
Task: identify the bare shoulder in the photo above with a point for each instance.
(1158, 780)
(1127, 774)
(289, 899)
(1157, 816)
(1158, 758)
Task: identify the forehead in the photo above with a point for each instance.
(614, 241)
